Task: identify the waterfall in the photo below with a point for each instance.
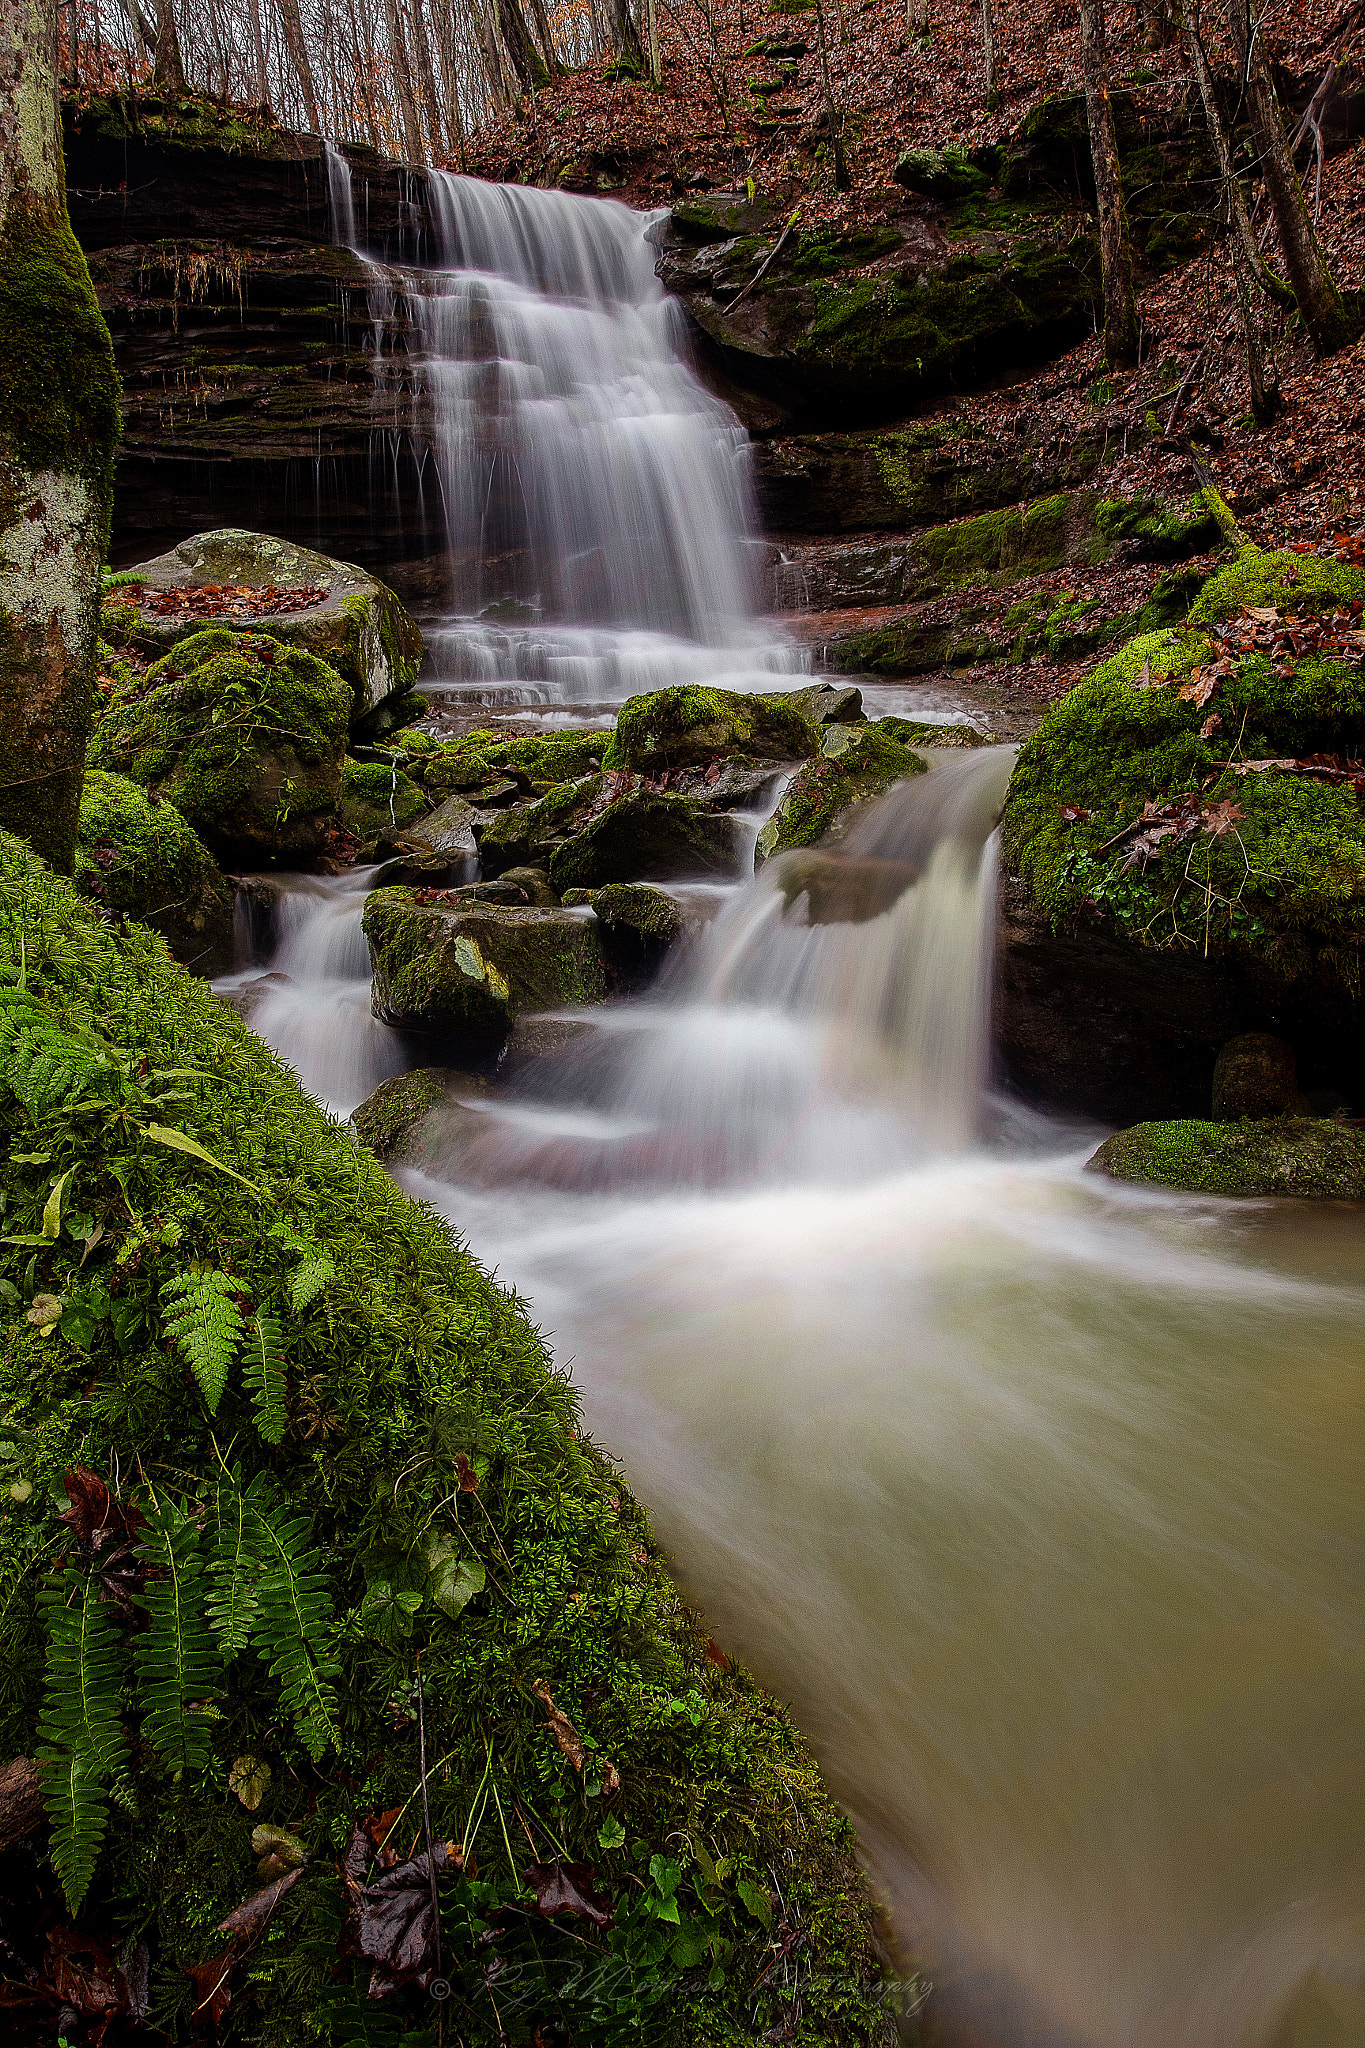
(339, 196)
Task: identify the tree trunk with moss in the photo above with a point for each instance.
(59, 424)
(1324, 311)
(1116, 255)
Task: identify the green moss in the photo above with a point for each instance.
(139, 859)
(941, 173)
(373, 796)
(912, 732)
(856, 764)
(650, 913)
(244, 734)
(690, 725)
(409, 1368)
(1287, 1156)
(59, 390)
(480, 758)
(643, 836)
(1291, 582)
(467, 970)
(1165, 530)
(384, 1119)
(1285, 879)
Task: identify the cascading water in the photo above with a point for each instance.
(1037, 1496)
(595, 497)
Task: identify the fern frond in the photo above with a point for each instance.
(202, 1317)
(82, 1738)
(292, 1627)
(174, 1655)
(308, 1280)
(234, 1569)
(264, 1372)
(43, 1065)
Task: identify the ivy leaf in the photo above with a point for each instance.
(757, 1899)
(611, 1834)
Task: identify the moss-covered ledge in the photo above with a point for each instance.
(393, 1418)
(1308, 1157)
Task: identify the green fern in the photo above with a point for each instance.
(292, 1626)
(264, 1373)
(308, 1279)
(41, 1064)
(202, 1317)
(174, 1656)
(83, 1743)
(234, 1569)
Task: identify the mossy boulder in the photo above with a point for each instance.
(481, 762)
(424, 1468)
(244, 735)
(373, 796)
(855, 764)
(1304, 1156)
(465, 970)
(644, 836)
(1184, 841)
(139, 858)
(349, 619)
(690, 725)
(651, 914)
(941, 174)
(1261, 857)
(416, 1119)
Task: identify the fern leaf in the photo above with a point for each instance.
(82, 1738)
(234, 1570)
(292, 1627)
(202, 1317)
(264, 1373)
(174, 1655)
(308, 1280)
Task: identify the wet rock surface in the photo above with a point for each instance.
(1304, 1157)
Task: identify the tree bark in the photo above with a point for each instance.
(402, 79)
(547, 41)
(426, 80)
(1274, 287)
(168, 69)
(59, 425)
(1324, 310)
(294, 41)
(1116, 256)
(623, 34)
(522, 53)
(988, 53)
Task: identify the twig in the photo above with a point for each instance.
(767, 262)
(1184, 386)
(426, 1814)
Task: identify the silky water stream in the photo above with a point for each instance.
(1040, 1498)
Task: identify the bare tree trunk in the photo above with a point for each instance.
(656, 63)
(258, 52)
(1265, 389)
(547, 41)
(522, 53)
(1274, 287)
(59, 425)
(623, 34)
(988, 53)
(833, 114)
(294, 42)
(402, 79)
(1116, 256)
(168, 69)
(1321, 304)
(426, 78)
(450, 72)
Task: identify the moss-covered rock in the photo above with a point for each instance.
(355, 623)
(642, 837)
(392, 1120)
(137, 858)
(855, 764)
(941, 174)
(651, 914)
(244, 735)
(425, 1471)
(689, 725)
(373, 796)
(1237, 850)
(481, 761)
(466, 970)
(1304, 1156)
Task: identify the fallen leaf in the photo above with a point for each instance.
(1143, 679)
(465, 1474)
(1264, 614)
(567, 1738)
(567, 1888)
(1222, 818)
(391, 1922)
(1210, 726)
(1197, 690)
(253, 1913)
(106, 1533)
(278, 1850)
(212, 1991)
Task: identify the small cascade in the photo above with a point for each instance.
(785, 1050)
(340, 198)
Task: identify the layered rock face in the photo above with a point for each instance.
(241, 332)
